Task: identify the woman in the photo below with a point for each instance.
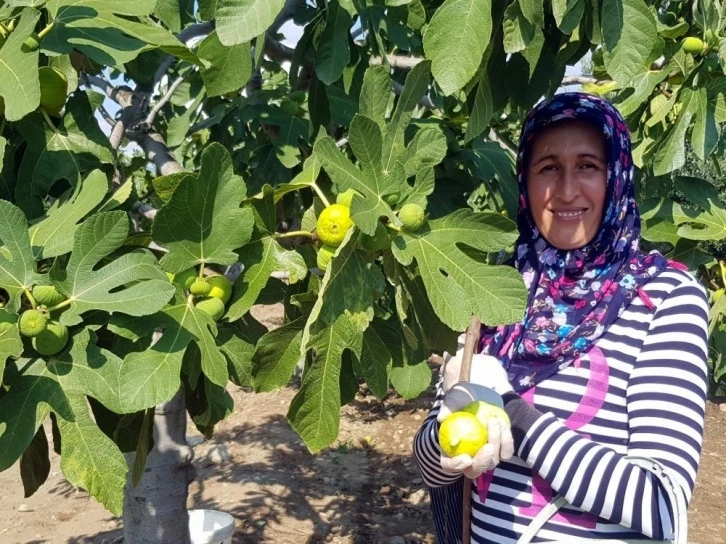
(609, 360)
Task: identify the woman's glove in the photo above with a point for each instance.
(488, 383)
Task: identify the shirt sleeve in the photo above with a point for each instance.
(426, 449)
(666, 399)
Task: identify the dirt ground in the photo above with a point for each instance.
(365, 489)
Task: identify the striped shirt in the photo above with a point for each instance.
(640, 390)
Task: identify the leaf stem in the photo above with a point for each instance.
(29, 295)
(60, 305)
(43, 33)
(393, 227)
(48, 120)
(294, 233)
(200, 275)
(320, 194)
(723, 272)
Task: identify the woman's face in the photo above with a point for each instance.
(567, 182)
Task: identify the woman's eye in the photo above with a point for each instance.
(589, 166)
(548, 168)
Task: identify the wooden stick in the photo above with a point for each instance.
(472, 339)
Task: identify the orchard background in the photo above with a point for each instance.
(147, 144)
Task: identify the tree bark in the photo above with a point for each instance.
(155, 511)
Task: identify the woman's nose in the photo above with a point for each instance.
(569, 186)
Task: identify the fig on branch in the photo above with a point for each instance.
(333, 224)
(220, 287)
(52, 340)
(32, 323)
(325, 253)
(693, 45)
(47, 295)
(53, 89)
(211, 306)
(185, 278)
(200, 288)
(412, 217)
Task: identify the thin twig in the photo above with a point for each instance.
(164, 100)
(106, 116)
(579, 80)
(397, 61)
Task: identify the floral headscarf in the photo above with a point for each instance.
(574, 296)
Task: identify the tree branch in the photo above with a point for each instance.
(157, 151)
(164, 100)
(276, 50)
(578, 80)
(397, 61)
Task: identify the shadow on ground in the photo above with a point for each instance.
(365, 490)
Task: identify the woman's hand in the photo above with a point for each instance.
(500, 444)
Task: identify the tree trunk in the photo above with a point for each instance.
(155, 511)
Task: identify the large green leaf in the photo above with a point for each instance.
(53, 234)
(203, 222)
(717, 96)
(533, 11)
(375, 94)
(224, 68)
(276, 355)
(411, 380)
(109, 32)
(417, 83)
(151, 376)
(518, 31)
(19, 86)
(706, 132)
(376, 359)
(238, 21)
(642, 85)
(352, 284)
(17, 265)
(10, 343)
(426, 149)
(459, 285)
(90, 459)
(76, 148)
(333, 51)
(568, 14)
(132, 284)
(262, 256)
(630, 33)
(315, 410)
(370, 184)
(187, 317)
(460, 30)
(671, 154)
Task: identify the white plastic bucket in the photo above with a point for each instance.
(210, 527)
